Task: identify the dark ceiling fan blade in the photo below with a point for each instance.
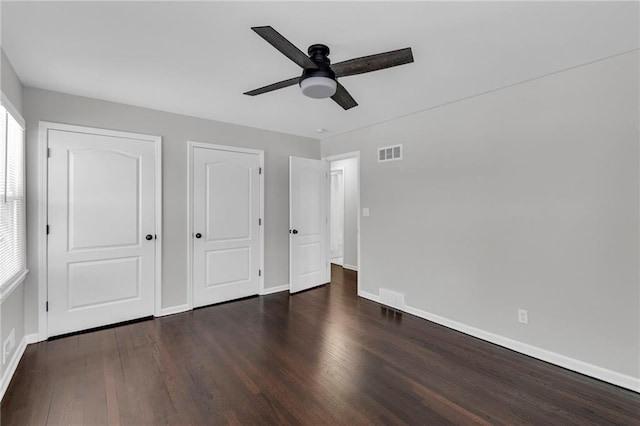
(284, 46)
(274, 86)
(373, 62)
(343, 98)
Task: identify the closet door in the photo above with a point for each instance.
(226, 225)
(102, 231)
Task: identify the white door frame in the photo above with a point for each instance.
(205, 145)
(356, 155)
(344, 211)
(43, 203)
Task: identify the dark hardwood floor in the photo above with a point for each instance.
(323, 356)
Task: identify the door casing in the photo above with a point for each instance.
(204, 145)
(344, 195)
(43, 202)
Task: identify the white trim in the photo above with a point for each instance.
(158, 235)
(189, 233)
(604, 374)
(41, 232)
(369, 296)
(272, 290)
(9, 287)
(582, 367)
(356, 155)
(327, 224)
(344, 213)
(195, 144)
(32, 338)
(174, 310)
(264, 222)
(350, 267)
(12, 366)
(11, 109)
(291, 227)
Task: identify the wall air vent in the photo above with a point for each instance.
(390, 153)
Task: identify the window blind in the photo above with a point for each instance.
(12, 200)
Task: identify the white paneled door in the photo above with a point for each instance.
(102, 228)
(226, 224)
(308, 223)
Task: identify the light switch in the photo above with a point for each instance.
(365, 211)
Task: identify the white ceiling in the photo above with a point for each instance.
(198, 58)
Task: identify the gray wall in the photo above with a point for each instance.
(11, 84)
(350, 166)
(12, 308)
(175, 130)
(12, 314)
(526, 197)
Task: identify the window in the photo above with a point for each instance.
(12, 200)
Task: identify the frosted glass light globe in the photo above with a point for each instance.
(318, 87)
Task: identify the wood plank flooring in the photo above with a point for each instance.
(323, 356)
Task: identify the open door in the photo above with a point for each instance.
(308, 223)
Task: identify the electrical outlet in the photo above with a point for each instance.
(8, 345)
(523, 316)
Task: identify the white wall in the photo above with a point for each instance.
(11, 307)
(526, 197)
(175, 130)
(350, 167)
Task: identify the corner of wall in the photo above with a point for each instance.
(10, 83)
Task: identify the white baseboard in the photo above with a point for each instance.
(350, 267)
(12, 366)
(277, 289)
(32, 338)
(370, 296)
(173, 310)
(604, 374)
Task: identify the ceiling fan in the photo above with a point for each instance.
(319, 77)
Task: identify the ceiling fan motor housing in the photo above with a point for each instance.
(318, 83)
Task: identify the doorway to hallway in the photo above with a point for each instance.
(344, 211)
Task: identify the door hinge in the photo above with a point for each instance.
(260, 222)
(48, 152)
(47, 229)
(259, 170)
(46, 306)
(259, 272)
